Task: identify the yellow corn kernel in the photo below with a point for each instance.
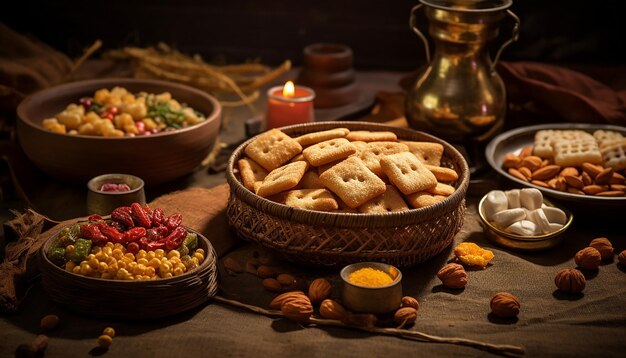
(69, 266)
(128, 98)
(90, 256)
(173, 253)
(167, 275)
(177, 271)
(199, 256)
(117, 245)
(131, 128)
(164, 97)
(122, 273)
(181, 266)
(96, 249)
(140, 255)
(159, 253)
(121, 264)
(108, 275)
(195, 260)
(101, 95)
(100, 256)
(85, 270)
(200, 251)
(102, 267)
(150, 255)
(109, 244)
(165, 267)
(149, 123)
(130, 256)
(142, 261)
(93, 263)
(107, 251)
(150, 271)
(76, 269)
(154, 263)
(70, 248)
(117, 253)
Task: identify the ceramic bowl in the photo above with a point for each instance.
(103, 202)
(156, 158)
(524, 243)
(377, 300)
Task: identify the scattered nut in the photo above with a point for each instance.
(526, 151)
(265, 272)
(105, 341)
(570, 281)
(298, 309)
(604, 176)
(319, 290)
(272, 285)
(39, 344)
(408, 301)
(545, 173)
(332, 310)
(286, 279)
(252, 265)
(405, 316)
(622, 257)
(360, 320)
(49, 322)
(604, 247)
(516, 173)
(232, 265)
(505, 305)
(109, 331)
(588, 258)
(453, 276)
(511, 161)
(278, 302)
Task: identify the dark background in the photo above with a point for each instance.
(557, 31)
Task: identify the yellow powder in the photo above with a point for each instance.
(370, 277)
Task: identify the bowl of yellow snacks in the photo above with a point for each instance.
(156, 130)
(137, 263)
(333, 193)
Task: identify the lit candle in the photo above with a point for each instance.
(289, 105)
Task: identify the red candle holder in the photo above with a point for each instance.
(284, 110)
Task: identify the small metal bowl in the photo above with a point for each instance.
(103, 202)
(524, 243)
(367, 299)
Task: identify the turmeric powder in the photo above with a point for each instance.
(370, 277)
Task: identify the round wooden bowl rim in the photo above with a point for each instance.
(352, 220)
(107, 82)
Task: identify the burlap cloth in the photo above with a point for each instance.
(550, 323)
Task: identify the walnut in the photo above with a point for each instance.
(471, 254)
(319, 290)
(453, 276)
(570, 280)
(408, 301)
(604, 246)
(298, 309)
(588, 258)
(332, 310)
(405, 316)
(504, 305)
(622, 257)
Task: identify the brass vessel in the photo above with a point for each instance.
(459, 96)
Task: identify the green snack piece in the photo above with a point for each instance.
(186, 260)
(57, 255)
(191, 241)
(82, 247)
(184, 250)
(69, 235)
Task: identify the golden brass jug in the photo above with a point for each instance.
(459, 96)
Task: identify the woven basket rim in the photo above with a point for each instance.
(352, 220)
(152, 283)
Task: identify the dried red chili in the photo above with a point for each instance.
(111, 233)
(157, 216)
(92, 232)
(134, 234)
(140, 215)
(175, 238)
(123, 215)
(174, 221)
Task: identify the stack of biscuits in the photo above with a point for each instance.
(339, 170)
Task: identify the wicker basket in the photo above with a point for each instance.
(331, 239)
(138, 300)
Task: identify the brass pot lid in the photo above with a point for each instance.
(469, 5)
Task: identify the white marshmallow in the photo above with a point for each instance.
(523, 228)
(539, 218)
(531, 198)
(555, 227)
(496, 201)
(505, 218)
(555, 215)
(513, 198)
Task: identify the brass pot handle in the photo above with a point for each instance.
(514, 37)
(413, 27)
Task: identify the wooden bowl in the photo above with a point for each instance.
(138, 300)
(156, 158)
(317, 238)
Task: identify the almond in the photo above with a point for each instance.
(272, 285)
(604, 176)
(408, 301)
(591, 169)
(611, 194)
(569, 171)
(575, 191)
(576, 182)
(540, 183)
(617, 178)
(595, 189)
(547, 172)
(511, 161)
(319, 290)
(516, 173)
(527, 173)
(49, 322)
(560, 184)
(332, 310)
(232, 265)
(531, 162)
(286, 279)
(265, 272)
(405, 316)
(526, 151)
(619, 187)
(279, 300)
(586, 178)
(298, 309)
(504, 305)
(545, 162)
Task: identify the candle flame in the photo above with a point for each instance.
(289, 89)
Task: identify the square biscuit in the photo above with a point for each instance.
(312, 199)
(353, 182)
(311, 180)
(571, 153)
(442, 189)
(614, 156)
(422, 199)
(442, 173)
(328, 151)
(607, 138)
(282, 178)
(427, 152)
(316, 137)
(386, 148)
(372, 161)
(360, 145)
(251, 173)
(390, 200)
(368, 136)
(322, 168)
(273, 149)
(407, 173)
(545, 139)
